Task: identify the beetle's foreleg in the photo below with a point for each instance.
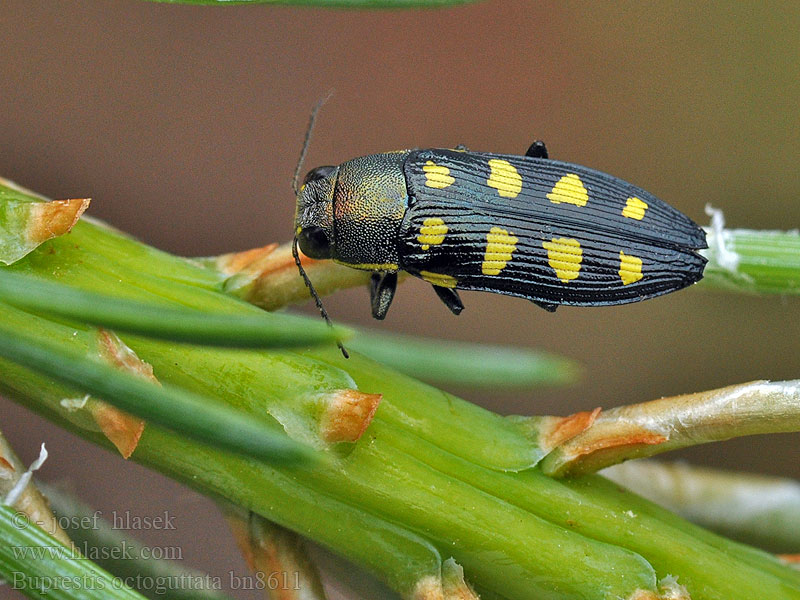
(537, 150)
(381, 293)
(450, 298)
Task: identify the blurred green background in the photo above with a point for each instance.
(184, 125)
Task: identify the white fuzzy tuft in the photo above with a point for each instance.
(23, 482)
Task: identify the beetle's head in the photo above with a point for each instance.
(313, 221)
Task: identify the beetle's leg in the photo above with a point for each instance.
(548, 306)
(537, 150)
(450, 298)
(461, 148)
(381, 292)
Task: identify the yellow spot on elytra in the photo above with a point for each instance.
(500, 245)
(570, 190)
(565, 256)
(437, 176)
(438, 279)
(432, 232)
(505, 178)
(370, 266)
(634, 209)
(630, 268)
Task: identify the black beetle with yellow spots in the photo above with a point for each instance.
(552, 232)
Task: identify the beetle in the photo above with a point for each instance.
(551, 232)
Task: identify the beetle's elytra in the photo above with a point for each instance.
(552, 232)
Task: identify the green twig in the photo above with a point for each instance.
(763, 262)
(649, 428)
(756, 509)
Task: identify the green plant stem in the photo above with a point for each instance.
(235, 374)
(743, 260)
(39, 566)
(649, 428)
(613, 517)
(756, 509)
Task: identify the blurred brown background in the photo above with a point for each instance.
(184, 125)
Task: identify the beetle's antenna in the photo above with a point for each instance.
(306, 141)
(296, 188)
(317, 299)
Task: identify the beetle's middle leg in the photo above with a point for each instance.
(548, 306)
(450, 298)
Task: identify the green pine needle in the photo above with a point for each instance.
(39, 566)
(464, 364)
(173, 408)
(259, 330)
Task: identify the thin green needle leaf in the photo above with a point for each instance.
(39, 566)
(123, 555)
(465, 364)
(257, 330)
(172, 408)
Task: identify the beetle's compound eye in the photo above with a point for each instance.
(314, 242)
(319, 173)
